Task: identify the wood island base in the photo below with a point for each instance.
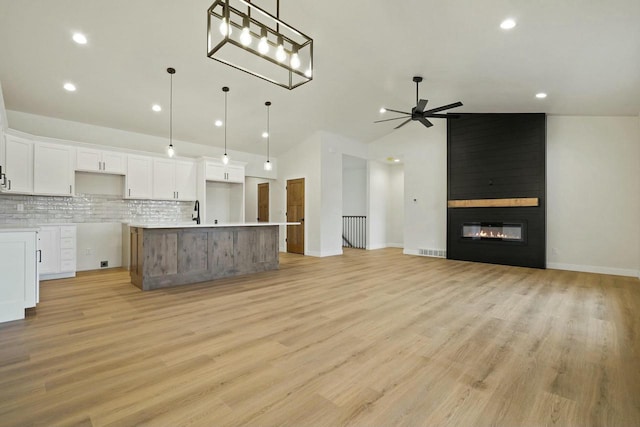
(174, 256)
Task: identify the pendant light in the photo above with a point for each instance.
(225, 158)
(267, 165)
(170, 150)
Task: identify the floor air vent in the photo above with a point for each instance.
(437, 253)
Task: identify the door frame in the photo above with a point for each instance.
(301, 220)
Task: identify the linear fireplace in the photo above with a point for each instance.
(496, 231)
(496, 189)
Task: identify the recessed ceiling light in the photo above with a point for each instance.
(507, 24)
(541, 95)
(383, 110)
(396, 160)
(218, 123)
(79, 38)
(156, 108)
(265, 135)
(70, 87)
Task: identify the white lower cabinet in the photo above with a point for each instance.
(19, 278)
(57, 251)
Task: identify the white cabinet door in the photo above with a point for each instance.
(49, 247)
(114, 162)
(139, 177)
(19, 165)
(53, 168)
(88, 159)
(235, 173)
(91, 160)
(215, 172)
(186, 180)
(164, 179)
(18, 281)
(219, 172)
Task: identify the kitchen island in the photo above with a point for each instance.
(173, 255)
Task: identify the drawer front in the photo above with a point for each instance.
(68, 254)
(68, 265)
(67, 243)
(67, 231)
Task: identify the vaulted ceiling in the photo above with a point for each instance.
(584, 54)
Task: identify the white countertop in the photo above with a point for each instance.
(16, 228)
(231, 224)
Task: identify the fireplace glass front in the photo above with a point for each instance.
(512, 232)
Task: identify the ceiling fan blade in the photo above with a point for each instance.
(399, 112)
(387, 120)
(425, 122)
(444, 107)
(402, 124)
(442, 116)
(421, 104)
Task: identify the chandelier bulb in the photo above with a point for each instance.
(245, 36)
(281, 55)
(268, 166)
(263, 46)
(225, 159)
(225, 27)
(170, 151)
(295, 61)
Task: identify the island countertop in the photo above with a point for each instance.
(194, 225)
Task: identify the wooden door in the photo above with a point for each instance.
(295, 213)
(263, 202)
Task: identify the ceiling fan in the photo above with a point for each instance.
(418, 113)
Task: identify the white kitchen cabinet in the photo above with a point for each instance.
(101, 161)
(215, 171)
(174, 179)
(18, 168)
(57, 251)
(19, 279)
(53, 169)
(139, 177)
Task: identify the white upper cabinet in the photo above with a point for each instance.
(186, 173)
(92, 160)
(18, 168)
(174, 179)
(139, 177)
(53, 166)
(225, 173)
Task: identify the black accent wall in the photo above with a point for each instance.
(497, 156)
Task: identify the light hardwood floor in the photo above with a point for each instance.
(370, 338)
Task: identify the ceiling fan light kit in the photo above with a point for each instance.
(248, 38)
(418, 112)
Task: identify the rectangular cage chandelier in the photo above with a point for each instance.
(244, 36)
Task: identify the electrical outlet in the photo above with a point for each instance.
(104, 264)
(88, 251)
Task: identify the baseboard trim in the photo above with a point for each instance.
(323, 254)
(594, 269)
(54, 276)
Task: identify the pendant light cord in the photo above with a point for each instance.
(225, 123)
(171, 110)
(268, 131)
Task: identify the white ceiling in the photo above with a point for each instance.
(584, 53)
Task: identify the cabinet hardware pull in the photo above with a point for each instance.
(39, 255)
(129, 192)
(70, 189)
(177, 196)
(9, 184)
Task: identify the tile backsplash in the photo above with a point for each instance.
(92, 208)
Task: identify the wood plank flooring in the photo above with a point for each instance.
(370, 338)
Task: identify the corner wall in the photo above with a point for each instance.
(593, 189)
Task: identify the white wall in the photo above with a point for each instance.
(98, 242)
(378, 179)
(302, 161)
(424, 155)
(354, 186)
(395, 207)
(593, 192)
